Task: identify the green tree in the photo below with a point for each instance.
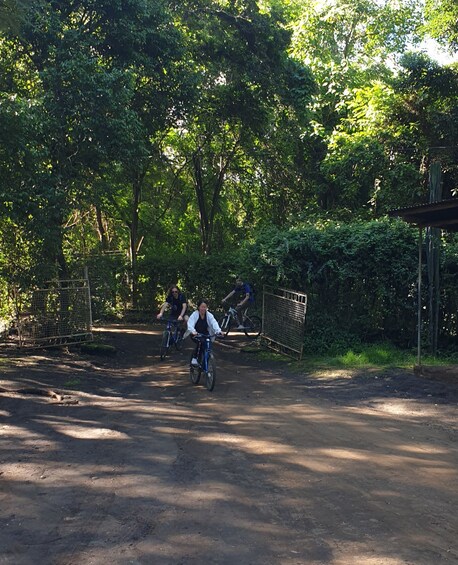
(427, 106)
(371, 166)
(347, 45)
(380, 154)
(12, 13)
(442, 22)
(244, 76)
(105, 77)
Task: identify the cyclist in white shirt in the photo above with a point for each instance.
(202, 322)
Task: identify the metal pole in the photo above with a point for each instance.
(89, 320)
(419, 298)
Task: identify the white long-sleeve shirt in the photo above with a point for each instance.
(213, 327)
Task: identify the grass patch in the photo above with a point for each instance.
(71, 383)
(381, 356)
(270, 355)
(97, 348)
(375, 355)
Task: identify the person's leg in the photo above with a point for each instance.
(241, 313)
(195, 355)
(184, 324)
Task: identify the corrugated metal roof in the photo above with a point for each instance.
(443, 214)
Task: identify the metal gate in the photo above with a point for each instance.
(283, 314)
(57, 315)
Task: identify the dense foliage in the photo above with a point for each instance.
(157, 142)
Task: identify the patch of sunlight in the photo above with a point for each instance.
(315, 465)
(260, 447)
(125, 330)
(344, 454)
(421, 449)
(84, 432)
(367, 559)
(29, 472)
(401, 408)
(170, 430)
(26, 436)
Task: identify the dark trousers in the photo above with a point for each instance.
(198, 347)
(241, 313)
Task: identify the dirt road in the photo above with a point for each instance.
(138, 466)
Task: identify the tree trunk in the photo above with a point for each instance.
(101, 229)
(200, 194)
(207, 213)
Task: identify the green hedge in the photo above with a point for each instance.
(360, 279)
(210, 277)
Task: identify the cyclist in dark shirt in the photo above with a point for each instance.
(246, 298)
(178, 304)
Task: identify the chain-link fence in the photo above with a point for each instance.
(57, 315)
(283, 314)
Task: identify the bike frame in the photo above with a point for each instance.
(206, 349)
(171, 336)
(205, 360)
(231, 316)
(173, 329)
(252, 324)
(232, 312)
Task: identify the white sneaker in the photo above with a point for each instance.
(240, 327)
(194, 361)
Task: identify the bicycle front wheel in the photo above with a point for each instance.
(194, 372)
(253, 326)
(179, 340)
(164, 345)
(225, 324)
(211, 374)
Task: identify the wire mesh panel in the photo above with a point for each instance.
(284, 320)
(57, 315)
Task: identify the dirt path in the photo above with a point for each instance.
(270, 468)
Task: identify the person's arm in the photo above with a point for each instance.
(183, 310)
(229, 296)
(213, 324)
(192, 322)
(162, 310)
(245, 300)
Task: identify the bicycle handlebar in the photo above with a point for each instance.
(206, 336)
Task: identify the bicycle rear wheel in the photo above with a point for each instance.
(211, 374)
(194, 372)
(225, 324)
(164, 345)
(253, 326)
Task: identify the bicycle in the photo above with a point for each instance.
(172, 335)
(206, 363)
(252, 325)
